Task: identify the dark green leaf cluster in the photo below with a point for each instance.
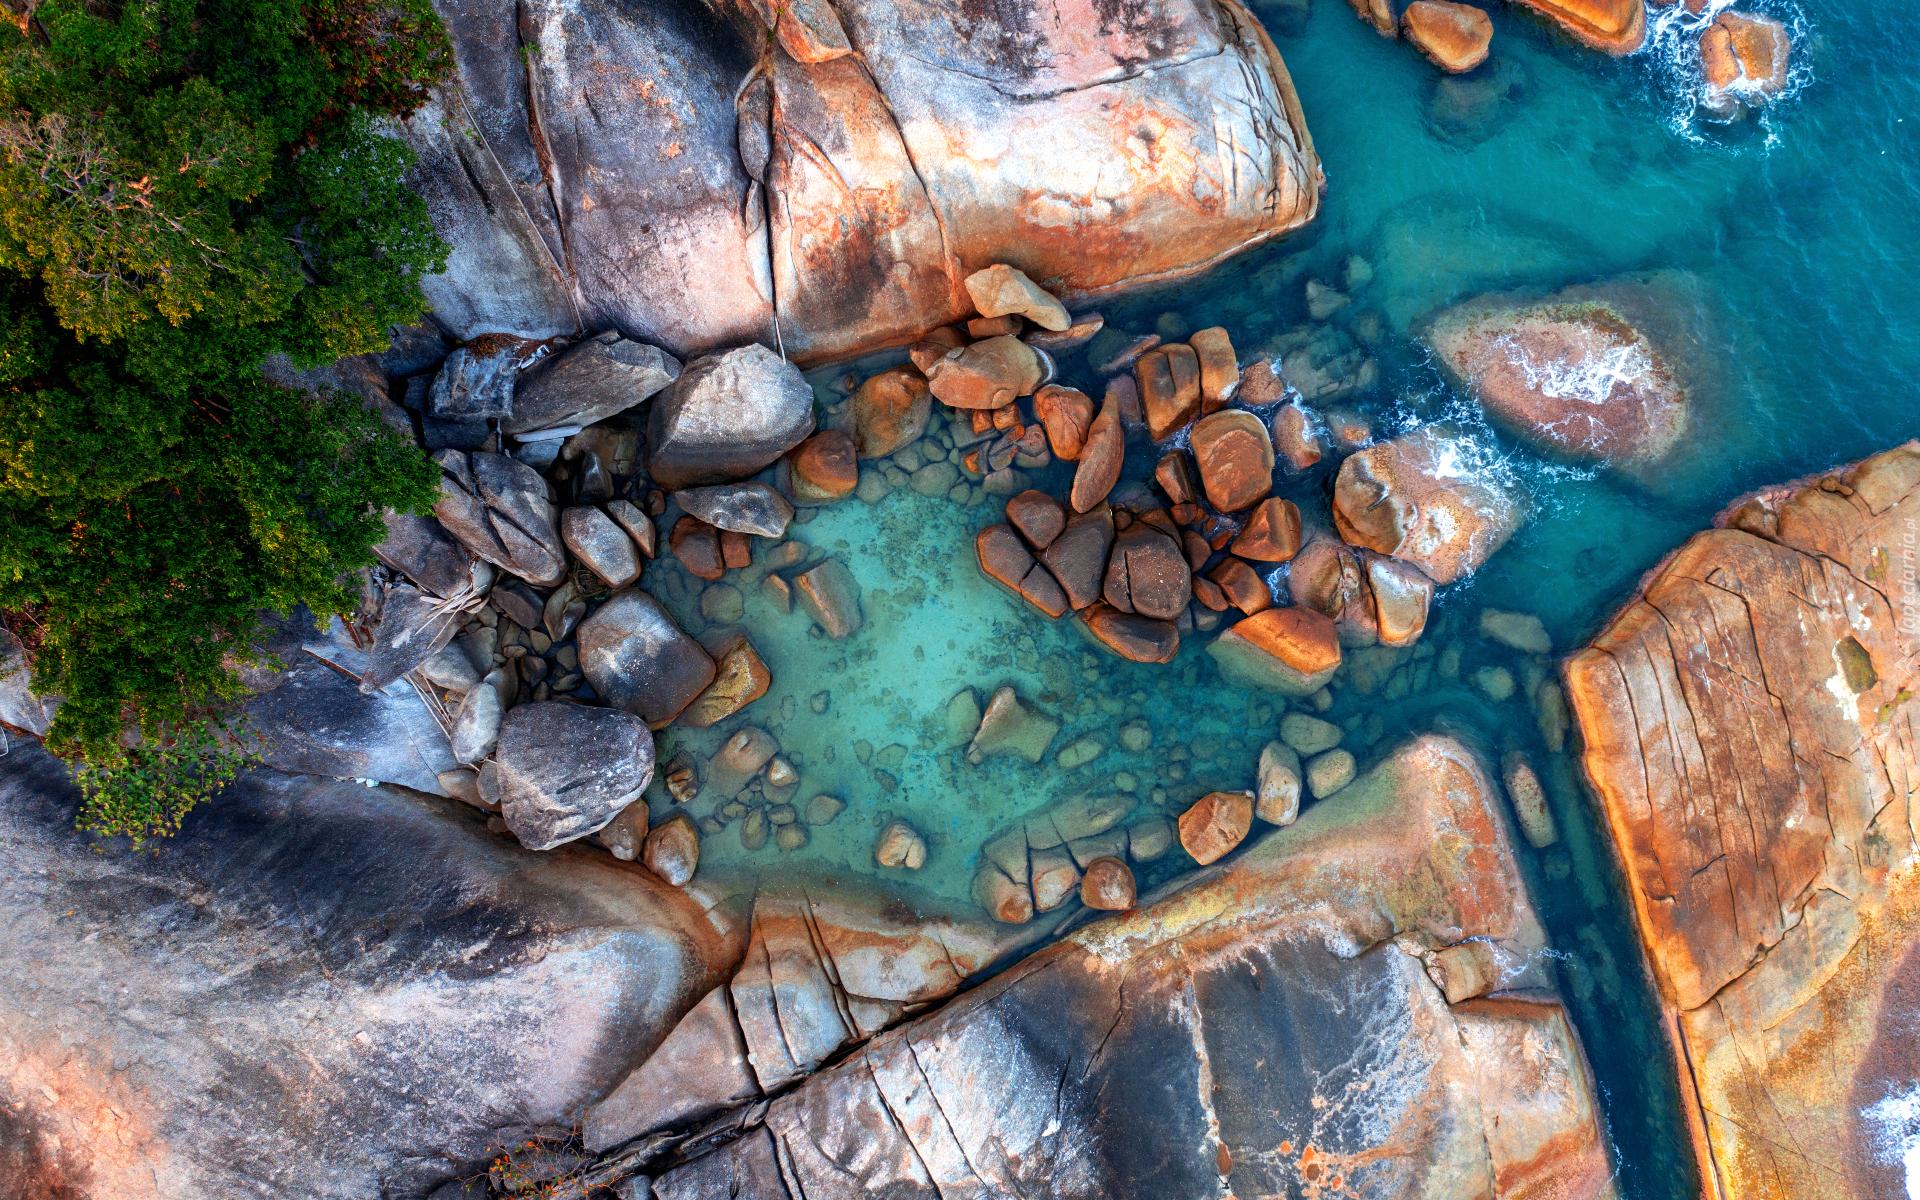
(188, 186)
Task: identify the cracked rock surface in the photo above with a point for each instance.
(1750, 727)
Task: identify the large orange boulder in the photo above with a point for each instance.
(1293, 650)
(1418, 497)
(1235, 457)
(1750, 728)
(1613, 26)
(1454, 36)
(1744, 59)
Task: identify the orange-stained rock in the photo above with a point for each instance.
(1261, 383)
(740, 679)
(1169, 388)
(1750, 725)
(672, 850)
(1244, 589)
(1067, 340)
(697, 545)
(890, 410)
(936, 345)
(1004, 559)
(1217, 822)
(1078, 557)
(986, 327)
(1005, 900)
(1055, 878)
(1547, 1142)
(1613, 26)
(1208, 593)
(1175, 477)
(1401, 594)
(1101, 458)
(1418, 497)
(1130, 635)
(1001, 290)
(1108, 885)
(1235, 458)
(1272, 532)
(989, 374)
(736, 549)
(1066, 413)
(1744, 59)
(1148, 573)
(1037, 516)
(1197, 548)
(1328, 577)
(1454, 36)
(1219, 370)
(1293, 650)
(1299, 437)
(1377, 13)
(824, 468)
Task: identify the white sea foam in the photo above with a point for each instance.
(1896, 1121)
(1673, 47)
(1590, 380)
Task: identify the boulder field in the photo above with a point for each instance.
(1749, 726)
(824, 178)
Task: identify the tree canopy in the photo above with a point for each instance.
(186, 187)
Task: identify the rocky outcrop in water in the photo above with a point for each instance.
(824, 178)
(1749, 725)
(1283, 1015)
(1614, 26)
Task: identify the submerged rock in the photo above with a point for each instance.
(823, 469)
(566, 769)
(740, 678)
(900, 845)
(1419, 498)
(1132, 636)
(1010, 728)
(1748, 724)
(831, 597)
(726, 417)
(890, 411)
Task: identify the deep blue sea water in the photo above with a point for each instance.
(1795, 231)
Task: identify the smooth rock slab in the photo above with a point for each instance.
(831, 597)
(1235, 457)
(498, 508)
(726, 417)
(589, 381)
(638, 660)
(601, 544)
(566, 770)
(1293, 650)
(741, 507)
(1010, 728)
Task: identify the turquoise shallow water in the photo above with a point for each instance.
(1794, 232)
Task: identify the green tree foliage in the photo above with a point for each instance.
(188, 186)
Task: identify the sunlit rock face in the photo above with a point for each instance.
(1750, 726)
(1276, 1027)
(315, 989)
(674, 172)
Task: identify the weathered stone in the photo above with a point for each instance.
(638, 525)
(1272, 532)
(423, 551)
(1038, 517)
(697, 545)
(962, 717)
(1149, 838)
(1277, 793)
(1293, 650)
(1107, 886)
(1235, 458)
(1100, 459)
(1147, 574)
(740, 678)
(1005, 560)
(736, 549)
(1401, 594)
(1006, 901)
(1219, 370)
(1000, 290)
(1454, 37)
(1379, 14)
(1329, 772)
(899, 845)
(831, 597)
(890, 411)
(476, 724)
(742, 757)
(936, 479)
(1325, 364)
(741, 507)
(1529, 800)
(672, 850)
(1066, 341)
(566, 769)
(1008, 728)
(1241, 586)
(1522, 631)
(726, 417)
(637, 659)
(1749, 726)
(1067, 415)
(1614, 26)
(935, 346)
(413, 626)
(476, 381)
(626, 835)
(986, 375)
(588, 382)
(1078, 557)
(1550, 713)
(1308, 735)
(498, 508)
(1216, 823)
(698, 1070)
(822, 469)
(1413, 499)
(598, 542)
(450, 668)
(1495, 683)
(1169, 388)
(1175, 478)
(1131, 636)
(1743, 58)
(1078, 753)
(1328, 577)
(1055, 878)
(986, 327)
(1297, 437)
(821, 810)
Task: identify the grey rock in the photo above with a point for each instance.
(416, 350)
(450, 668)
(726, 417)
(590, 381)
(295, 972)
(413, 626)
(518, 602)
(831, 596)
(701, 1068)
(598, 542)
(638, 660)
(476, 381)
(499, 509)
(566, 770)
(19, 706)
(1308, 735)
(742, 507)
(420, 549)
(638, 524)
(476, 724)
